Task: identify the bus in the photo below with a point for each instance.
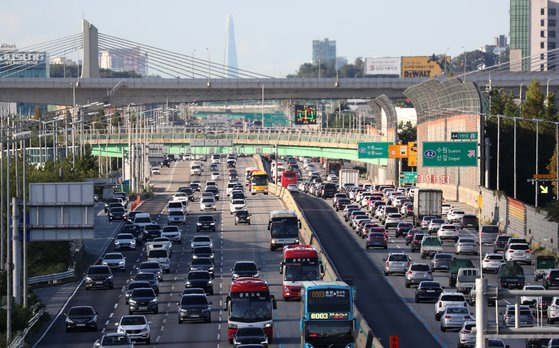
(249, 303)
(288, 177)
(284, 228)
(300, 263)
(259, 182)
(327, 315)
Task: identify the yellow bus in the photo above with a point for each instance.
(259, 182)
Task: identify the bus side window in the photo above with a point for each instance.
(322, 270)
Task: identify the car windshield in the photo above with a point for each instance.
(251, 306)
(141, 220)
(398, 257)
(244, 266)
(176, 213)
(159, 253)
(143, 292)
(138, 285)
(115, 340)
(124, 236)
(113, 257)
(201, 239)
(117, 210)
(242, 213)
(149, 265)
(207, 200)
(153, 227)
(133, 320)
(420, 268)
(170, 229)
(205, 219)
(194, 300)
(519, 246)
(145, 276)
(198, 275)
(98, 270)
(457, 310)
(452, 298)
(202, 250)
(443, 256)
(202, 261)
(437, 221)
(430, 285)
(467, 241)
(81, 311)
(238, 201)
(495, 257)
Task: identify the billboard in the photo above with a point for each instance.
(383, 66)
(305, 114)
(422, 67)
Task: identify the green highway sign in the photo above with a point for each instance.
(409, 178)
(449, 154)
(463, 135)
(372, 150)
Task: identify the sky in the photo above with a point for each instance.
(273, 37)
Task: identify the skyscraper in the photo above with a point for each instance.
(324, 51)
(231, 49)
(519, 35)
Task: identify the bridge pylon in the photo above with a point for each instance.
(90, 67)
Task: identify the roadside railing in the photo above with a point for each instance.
(19, 339)
(51, 278)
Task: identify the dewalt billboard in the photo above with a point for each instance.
(423, 66)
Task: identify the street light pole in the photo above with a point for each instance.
(514, 155)
(192, 62)
(537, 164)
(262, 108)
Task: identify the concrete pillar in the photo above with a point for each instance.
(90, 67)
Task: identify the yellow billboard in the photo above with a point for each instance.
(423, 66)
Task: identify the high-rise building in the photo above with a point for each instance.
(543, 34)
(519, 35)
(124, 59)
(231, 50)
(324, 51)
(340, 61)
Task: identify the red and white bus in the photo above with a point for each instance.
(300, 263)
(249, 303)
(288, 177)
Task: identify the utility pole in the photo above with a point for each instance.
(16, 251)
(537, 164)
(24, 226)
(514, 159)
(2, 231)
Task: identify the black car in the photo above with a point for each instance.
(195, 186)
(152, 231)
(402, 228)
(166, 163)
(214, 190)
(243, 269)
(99, 276)
(137, 284)
(116, 213)
(149, 277)
(341, 203)
(501, 243)
(242, 216)
(81, 317)
(537, 343)
(328, 191)
(202, 251)
(428, 291)
(250, 334)
(202, 264)
(205, 223)
(411, 233)
(195, 307)
(200, 279)
(551, 279)
(110, 201)
(134, 230)
(143, 300)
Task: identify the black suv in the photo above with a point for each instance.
(99, 276)
(152, 231)
(189, 192)
(110, 201)
(195, 307)
(243, 269)
(143, 299)
(501, 243)
(136, 284)
(205, 223)
(202, 251)
(242, 216)
(328, 191)
(116, 213)
(81, 317)
(200, 279)
(403, 228)
(428, 291)
(551, 279)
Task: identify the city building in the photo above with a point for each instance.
(519, 35)
(324, 51)
(341, 61)
(124, 59)
(231, 49)
(62, 61)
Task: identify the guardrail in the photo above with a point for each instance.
(50, 278)
(19, 340)
(365, 337)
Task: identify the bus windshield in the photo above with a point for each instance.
(259, 180)
(251, 307)
(329, 332)
(301, 272)
(284, 230)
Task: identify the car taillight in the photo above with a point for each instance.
(407, 264)
(447, 316)
(548, 277)
(510, 251)
(466, 317)
(385, 239)
(440, 304)
(528, 251)
(410, 272)
(387, 264)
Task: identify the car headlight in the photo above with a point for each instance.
(210, 281)
(153, 301)
(132, 302)
(121, 263)
(273, 241)
(235, 275)
(296, 240)
(110, 277)
(88, 279)
(194, 256)
(117, 242)
(210, 268)
(268, 325)
(213, 223)
(69, 321)
(199, 224)
(188, 282)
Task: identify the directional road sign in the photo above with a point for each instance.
(544, 176)
(373, 150)
(397, 151)
(449, 154)
(409, 178)
(463, 135)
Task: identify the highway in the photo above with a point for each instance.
(231, 243)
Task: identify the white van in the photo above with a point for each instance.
(466, 278)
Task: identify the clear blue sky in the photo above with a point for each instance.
(273, 37)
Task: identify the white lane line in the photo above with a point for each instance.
(116, 305)
(157, 339)
(111, 315)
(103, 331)
(107, 323)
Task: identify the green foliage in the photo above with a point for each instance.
(407, 132)
(59, 70)
(328, 69)
(552, 211)
(474, 60)
(533, 106)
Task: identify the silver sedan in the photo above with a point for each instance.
(454, 318)
(466, 246)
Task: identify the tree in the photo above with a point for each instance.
(38, 113)
(474, 60)
(550, 113)
(115, 119)
(407, 132)
(533, 106)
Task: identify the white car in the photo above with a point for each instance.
(159, 243)
(519, 252)
(553, 311)
(155, 170)
(207, 203)
(492, 262)
(215, 176)
(230, 187)
(173, 233)
(180, 197)
(115, 261)
(202, 240)
(136, 327)
(529, 300)
(125, 240)
(236, 205)
(446, 209)
(332, 178)
(466, 245)
(448, 231)
(292, 188)
(176, 217)
(455, 215)
(449, 299)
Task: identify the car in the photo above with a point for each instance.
(341, 203)
(237, 205)
(180, 197)
(125, 241)
(200, 279)
(292, 188)
(428, 291)
(434, 225)
(215, 176)
(151, 267)
(136, 284)
(553, 311)
(242, 269)
(98, 276)
(376, 240)
(155, 170)
(448, 231)
(449, 299)
(143, 299)
(424, 224)
(492, 262)
(207, 203)
(415, 244)
(201, 241)
(205, 223)
(189, 192)
(402, 228)
(531, 300)
(116, 213)
(151, 231)
(215, 191)
(454, 215)
(142, 220)
(441, 261)
(392, 220)
(454, 317)
(202, 264)
(501, 243)
(242, 216)
(194, 307)
(176, 217)
(160, 243)
(81, 317)
(489, 233)
(416, 273)
(110, 201)
(187, 291)
(195, 186)
(513, 240)
(136, 327)
(519, 252)
(173, 233)
(114, 261)
(466, 337)
(396, 263)
(150, 277)
(180, 206)
(466, 245)
(114, 339)
(248, 335)
(551, 279)
(526, 318)
(133, 229)
(332, 178)
(411, 233)
(469, 221)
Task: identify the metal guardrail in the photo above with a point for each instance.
(51, 277)
(19, 340)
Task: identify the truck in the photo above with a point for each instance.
(348, 176)
(511, 275)
(455, 266)
(427, 202)
(543, 263)
(466, 278)
(430, 245)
